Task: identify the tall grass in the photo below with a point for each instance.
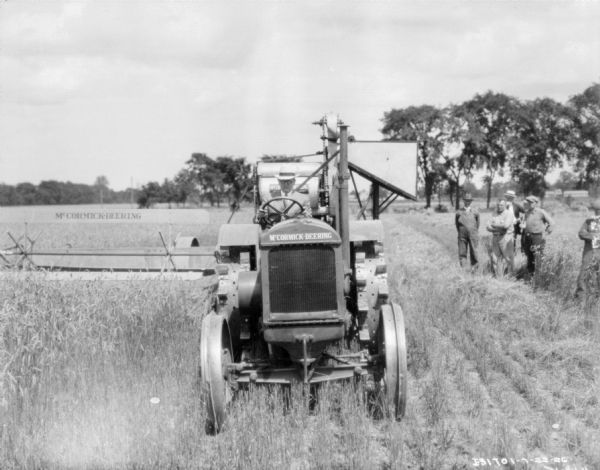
(81, 361)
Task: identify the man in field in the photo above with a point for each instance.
(502, 227)
(295, 203)
(467, 226)
(537, 223)
(589, 274)
(517, 210)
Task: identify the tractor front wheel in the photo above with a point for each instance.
(392, 351)
(216, 354)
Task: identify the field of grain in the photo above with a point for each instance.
(104, 375)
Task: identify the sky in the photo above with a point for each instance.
(130, 89)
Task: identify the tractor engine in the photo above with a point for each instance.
(302, 281)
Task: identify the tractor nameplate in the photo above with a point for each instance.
(300, 237)
(300, 231)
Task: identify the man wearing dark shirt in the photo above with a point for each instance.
(589, 274)
(537, 223)
(467, 226)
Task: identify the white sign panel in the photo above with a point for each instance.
(73, 214)
(393, 163)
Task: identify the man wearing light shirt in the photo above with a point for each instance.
(502, 228)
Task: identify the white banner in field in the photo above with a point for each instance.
(66, 214)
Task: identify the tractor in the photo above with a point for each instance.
(302, 279)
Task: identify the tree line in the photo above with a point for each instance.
(58, 192)
(203, 180)
(493, 134)
(500, 135)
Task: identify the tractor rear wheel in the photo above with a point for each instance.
(216, 354)
(392, 350)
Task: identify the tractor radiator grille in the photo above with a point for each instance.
(302, 279)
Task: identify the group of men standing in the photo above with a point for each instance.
(532, 223)
(510, 220)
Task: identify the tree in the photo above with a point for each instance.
(168, 192)
(8, 195)
(490, 118)
(586, 108)
(101, 185)
(50, 192)
(26, 193)
(184, 185)
(458, 154)
(541, 140)
(236, 178)
(207, 176)
(422, 124)
(101, 181)
(149, 195)
(73, 193)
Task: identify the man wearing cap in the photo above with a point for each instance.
(286, 180)
(282, 209)
(589, 274)
(467, 226)
(517, 210)
(537, 223)
(502, 226)
(287, 184)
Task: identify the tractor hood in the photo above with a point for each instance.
(300, 231)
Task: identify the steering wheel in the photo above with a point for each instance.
(273, 214)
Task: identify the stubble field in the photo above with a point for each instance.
(104, 375)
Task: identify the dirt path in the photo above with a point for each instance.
(497, 371)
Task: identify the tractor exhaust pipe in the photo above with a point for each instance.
(344, 209)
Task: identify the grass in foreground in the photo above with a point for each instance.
(81, 362)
